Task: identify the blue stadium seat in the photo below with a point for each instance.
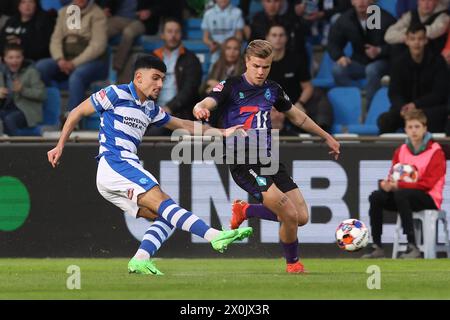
(196, 46)
(51, 4)
(380, 103)
(151, 45)
(388, 5)
(194, 34)
(51, 113)
(346, 102)
(324, 77)
(193, 23)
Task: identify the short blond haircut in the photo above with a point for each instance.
(416, 114)
(259, 49)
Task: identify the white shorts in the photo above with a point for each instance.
(120, 181)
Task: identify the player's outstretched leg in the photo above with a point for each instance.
(241, 211)
(187, 221)
(157, 201)
(154, 237)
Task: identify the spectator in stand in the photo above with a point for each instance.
(22, 92)
(78, 55)
(419, 80)
(7, 9)
(408, 197)
(219, 23)
(183, 76)
(279, 11)
(294, 77)
(29, 27)
(431, 13)
(130, 19)
(230, 64)
(370, 52)
(321, 14)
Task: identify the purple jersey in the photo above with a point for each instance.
(241, 103)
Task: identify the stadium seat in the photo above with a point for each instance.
(196, 46)
(324, 77)
(388, 5)
(51, 113)
(426, 234)
(51, 4)
(192, 29)
(346, 102)
(150, 45)
(380, 103)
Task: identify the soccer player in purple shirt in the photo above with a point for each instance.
(247, 100)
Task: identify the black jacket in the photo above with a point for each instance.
(338, 6)
(348, 29)
(155, 6)
(34, 35)
(425, 84)
(188, 75)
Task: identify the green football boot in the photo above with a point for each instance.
(226, 237)
(143, 267)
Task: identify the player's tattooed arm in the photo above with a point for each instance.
(301, 120)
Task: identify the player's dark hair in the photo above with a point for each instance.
(416, 114)
(416, 27)
(12, 47)
(259, 49)
(148, 61)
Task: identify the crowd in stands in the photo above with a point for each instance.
(408, 51)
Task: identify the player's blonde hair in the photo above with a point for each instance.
(259, 49)
(416, 114)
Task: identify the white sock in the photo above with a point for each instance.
(142, 255)
(211, 234)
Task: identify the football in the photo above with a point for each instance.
(352, 235)
(404, 172)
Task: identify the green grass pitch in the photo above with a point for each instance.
(205, 279)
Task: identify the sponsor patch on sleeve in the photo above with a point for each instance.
(219, 87)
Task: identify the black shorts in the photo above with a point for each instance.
(247, 176)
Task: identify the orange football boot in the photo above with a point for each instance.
(296, 267)
(238, 213)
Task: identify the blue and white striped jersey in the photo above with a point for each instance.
(124, 120)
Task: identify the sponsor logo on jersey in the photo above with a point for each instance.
(262, 182)
(219, 87)
(241, 95)
(102, 94)
(268, 95)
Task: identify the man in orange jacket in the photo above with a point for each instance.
(427, 156)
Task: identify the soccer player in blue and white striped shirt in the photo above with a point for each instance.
(125, 113)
